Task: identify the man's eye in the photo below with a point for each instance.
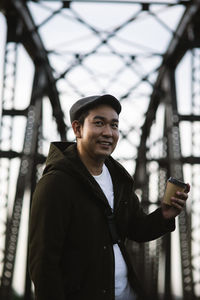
(115, 125)
(99, 123)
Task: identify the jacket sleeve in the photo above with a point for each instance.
(146, 227)
(48, 225)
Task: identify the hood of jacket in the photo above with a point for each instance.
(64, 156)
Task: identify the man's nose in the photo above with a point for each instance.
(107, 130)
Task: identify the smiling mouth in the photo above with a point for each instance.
(105, 143)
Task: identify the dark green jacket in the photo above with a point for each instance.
(71, 252)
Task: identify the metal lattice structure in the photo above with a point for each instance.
(145, 53)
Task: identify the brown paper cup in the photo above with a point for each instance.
(170, 191)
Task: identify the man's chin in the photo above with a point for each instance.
(103, 154)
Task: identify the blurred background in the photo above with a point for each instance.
(145, 53)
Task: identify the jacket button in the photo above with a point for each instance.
(104, 247)
(103, 291)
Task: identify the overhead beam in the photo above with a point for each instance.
(123, 2)
(25, 32)
(183, 40)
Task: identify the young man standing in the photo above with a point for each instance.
(84, 208)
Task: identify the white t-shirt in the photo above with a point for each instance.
(121, 280)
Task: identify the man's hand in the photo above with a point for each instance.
(178, 203)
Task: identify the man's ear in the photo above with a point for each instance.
(76, 126)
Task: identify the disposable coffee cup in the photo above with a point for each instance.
(173, 185)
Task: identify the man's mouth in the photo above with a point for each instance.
(105, 143)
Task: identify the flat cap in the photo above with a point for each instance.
(92, 101)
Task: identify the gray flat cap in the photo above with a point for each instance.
(92, 101)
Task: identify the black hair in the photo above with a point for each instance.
(82, 115)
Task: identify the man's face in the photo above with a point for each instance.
(99, 133)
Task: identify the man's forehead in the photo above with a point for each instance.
(111, 117)
(104, 118)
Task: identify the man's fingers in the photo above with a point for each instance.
(187, 189)
(178, 203)
(182, 195)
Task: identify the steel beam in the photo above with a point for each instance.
(179, 45)
(20, 20)
(185, 38)
(23, 183)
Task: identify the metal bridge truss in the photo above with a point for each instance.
(158, 156)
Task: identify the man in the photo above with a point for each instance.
(84, 208)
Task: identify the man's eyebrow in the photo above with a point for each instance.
(103, 118)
